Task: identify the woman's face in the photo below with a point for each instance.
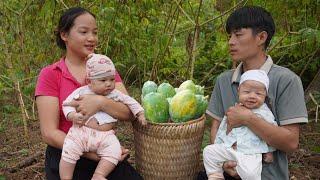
(82, 38)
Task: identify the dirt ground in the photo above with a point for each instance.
(22, 160)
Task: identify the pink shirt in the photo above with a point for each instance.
(55, 80)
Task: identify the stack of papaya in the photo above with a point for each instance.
(164, 103)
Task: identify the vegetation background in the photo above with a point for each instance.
(159, 40)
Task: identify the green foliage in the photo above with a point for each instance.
(17, 121)
(24, 152)
(316, 149)
(151, 40)
(8, 109)
(2, 127)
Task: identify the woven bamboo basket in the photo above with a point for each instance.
(168, 150)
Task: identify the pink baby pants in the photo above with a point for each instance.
(84, 139)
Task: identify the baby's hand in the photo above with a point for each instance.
(76, 118)
(142, 119)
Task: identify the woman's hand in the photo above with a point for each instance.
(87, 105)
(95, 157)
(124, 153)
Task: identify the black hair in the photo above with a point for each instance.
(67, 21)
(254, 17)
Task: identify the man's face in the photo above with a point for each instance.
(244, 44)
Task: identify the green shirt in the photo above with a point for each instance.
(286, 98)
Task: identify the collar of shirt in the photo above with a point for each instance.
(61, 65)
(238, 71)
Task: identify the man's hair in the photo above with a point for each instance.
(254, 17)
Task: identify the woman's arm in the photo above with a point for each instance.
(90, 104)
(118, 109)
(48, 112)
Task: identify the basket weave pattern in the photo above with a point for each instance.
(168, 150)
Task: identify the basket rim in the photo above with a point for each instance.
(180, 123)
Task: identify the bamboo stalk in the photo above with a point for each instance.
(317, 105)
(194, 43)
(64, 4)
(211, 71)
(214, 18)
(154, 70)
(33, 110)
(187, 16)
(24, 112)
(308, 62)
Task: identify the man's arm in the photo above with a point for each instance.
(214, 129)
(285, 138)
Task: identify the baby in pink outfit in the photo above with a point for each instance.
(80, 138)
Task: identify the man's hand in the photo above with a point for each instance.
(229, 167)
(238, 115)
(87, 105)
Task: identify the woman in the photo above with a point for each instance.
(77, 35)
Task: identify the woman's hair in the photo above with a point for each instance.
(254, 17)
(67, 21)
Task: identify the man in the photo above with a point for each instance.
(251, 29)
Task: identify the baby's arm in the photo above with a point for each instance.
(70, 111)
(141, 118)
(133, 105)
(76, 118)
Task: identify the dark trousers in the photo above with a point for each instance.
(85, 168)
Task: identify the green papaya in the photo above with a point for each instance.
(188, 84)
(166, 89)
(199, 89)
(148, 87)
(183, 106)
(156, 107)
(202, 104)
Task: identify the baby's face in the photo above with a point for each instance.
(252, 94)
(102, 86)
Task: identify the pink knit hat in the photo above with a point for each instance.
(99, 66)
